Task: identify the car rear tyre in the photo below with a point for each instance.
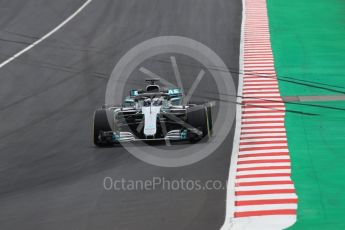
(199, 117)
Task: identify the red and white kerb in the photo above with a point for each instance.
(264, 192)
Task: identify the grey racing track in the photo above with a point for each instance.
(51, 175)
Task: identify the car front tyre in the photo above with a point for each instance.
(100, 123)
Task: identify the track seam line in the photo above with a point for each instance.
(46, 35)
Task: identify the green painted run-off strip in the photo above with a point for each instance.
(308, 41)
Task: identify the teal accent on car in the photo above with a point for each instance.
(183, 134)
(174, 91)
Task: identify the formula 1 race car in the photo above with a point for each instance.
(152, 114)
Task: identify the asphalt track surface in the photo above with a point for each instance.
(50, 173)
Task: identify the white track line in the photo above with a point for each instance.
(241, 166)
(47, 35)
(261, 179)
(263, 151)
(262, 145)
(270, 171)
(255, 158)
(265, 187)
(230, 193)
(265, 139)
(267, 197)
(262, 119)
(266, 207)
(276, 150)
(266, 114)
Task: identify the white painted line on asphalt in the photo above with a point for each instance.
(258, 87)
(259, 81)
(46, 35)
(261, 90)
(261, 94)
(244, 165)
(259, 101)
(262, 108)
(268, 156)
(265, 114)
(257, 116)
(260, 59)
(263, 124)
(261, 179)
(230, 193)
(262, 64)
(266, 134)
(265, 187)
(250, 134)
(262, 145)
(264, 128)
(263, 151)
(257, 69)
(262, 119)
(253, 172)
(266, 207)
(278, 138)
(254, 132)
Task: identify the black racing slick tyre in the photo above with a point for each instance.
(199, 117)
(100, 123)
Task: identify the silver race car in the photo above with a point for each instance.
(152, 114)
